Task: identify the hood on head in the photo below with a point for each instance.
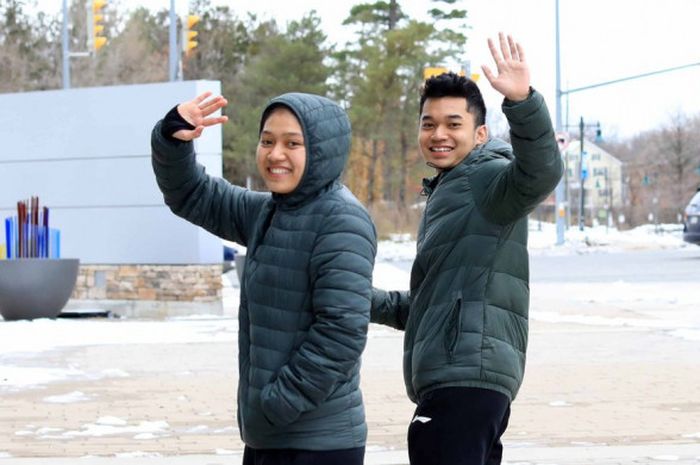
(327, 136)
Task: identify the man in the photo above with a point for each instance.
(466, 314)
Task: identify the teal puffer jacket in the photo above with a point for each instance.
(466, 314)
(306, 288)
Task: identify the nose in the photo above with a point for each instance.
(438, 133)
(276, 153)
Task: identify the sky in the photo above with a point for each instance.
(600, 40)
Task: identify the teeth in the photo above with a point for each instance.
(441, 149)
(279, 170)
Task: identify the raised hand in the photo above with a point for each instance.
(513, 80)
(196, 112)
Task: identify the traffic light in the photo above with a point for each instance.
(96, 27)
(188, 35)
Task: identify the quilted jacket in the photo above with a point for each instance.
(306, 288)
(466, 314)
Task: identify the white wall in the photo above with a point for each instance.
(86, 154)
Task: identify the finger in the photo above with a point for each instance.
(183, 134)
(504, 47)
(197, 132)
(212, 121)
(487, 72)
(213, 101)
(494, 52)
(513, 48)
(212, 106)
(521, 52)
(200, 98)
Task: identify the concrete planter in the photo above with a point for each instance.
(36, 287)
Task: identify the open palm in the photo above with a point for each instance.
(198, 112)
(513, 79)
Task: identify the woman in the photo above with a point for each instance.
(306, 286)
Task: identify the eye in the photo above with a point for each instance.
(454, 125)
(265, 142)
(427, 126)
(293, 144)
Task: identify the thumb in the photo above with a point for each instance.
(187, 135)
(487, 72)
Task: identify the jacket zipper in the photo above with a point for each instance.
(453, 329)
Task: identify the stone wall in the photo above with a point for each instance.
(149, 290)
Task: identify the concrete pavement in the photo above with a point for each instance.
(592, 395)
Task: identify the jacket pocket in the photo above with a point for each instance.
(453, 328)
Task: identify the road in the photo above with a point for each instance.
(674, 265)
(671, 265)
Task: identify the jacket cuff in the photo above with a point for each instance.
(528, 119)
(168, 149)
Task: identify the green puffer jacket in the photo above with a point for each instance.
(466, 314)
(306, 289)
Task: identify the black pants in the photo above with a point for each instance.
(303, 457)
(458, 426)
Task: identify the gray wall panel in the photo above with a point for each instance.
(86, 154)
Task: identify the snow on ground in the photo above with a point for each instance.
(22, 344)
(542, 238)
(54, 334)
(69, 398)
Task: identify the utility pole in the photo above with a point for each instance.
(65, 47)
(583, 176)
(560, 199)
(174, 51)
(65, 44)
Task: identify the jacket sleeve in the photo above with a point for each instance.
(221, 208)
(508, 191)
(390, 308)
(341, 273)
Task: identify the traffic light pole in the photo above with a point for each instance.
(560, 199)
(582, 205)
(174, 50)
(65, 47)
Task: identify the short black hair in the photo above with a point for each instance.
(454, 85)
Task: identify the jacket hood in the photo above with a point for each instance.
(493, 148)
(327, 135)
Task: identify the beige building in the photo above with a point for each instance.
(603, 186)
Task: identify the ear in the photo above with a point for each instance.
(482, 134)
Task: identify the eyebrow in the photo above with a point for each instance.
(455, 116)
(289, 133)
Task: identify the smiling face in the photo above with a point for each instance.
(281, 154)
(447, 132)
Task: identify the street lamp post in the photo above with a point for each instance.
(583, 176)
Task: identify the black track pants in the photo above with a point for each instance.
(458, 426)
(303, 457)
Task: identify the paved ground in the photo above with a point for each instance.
(593, 395)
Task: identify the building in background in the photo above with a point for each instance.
(603, 183)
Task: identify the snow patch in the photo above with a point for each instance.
(110, 426)
(69, 398)
(560, 403)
